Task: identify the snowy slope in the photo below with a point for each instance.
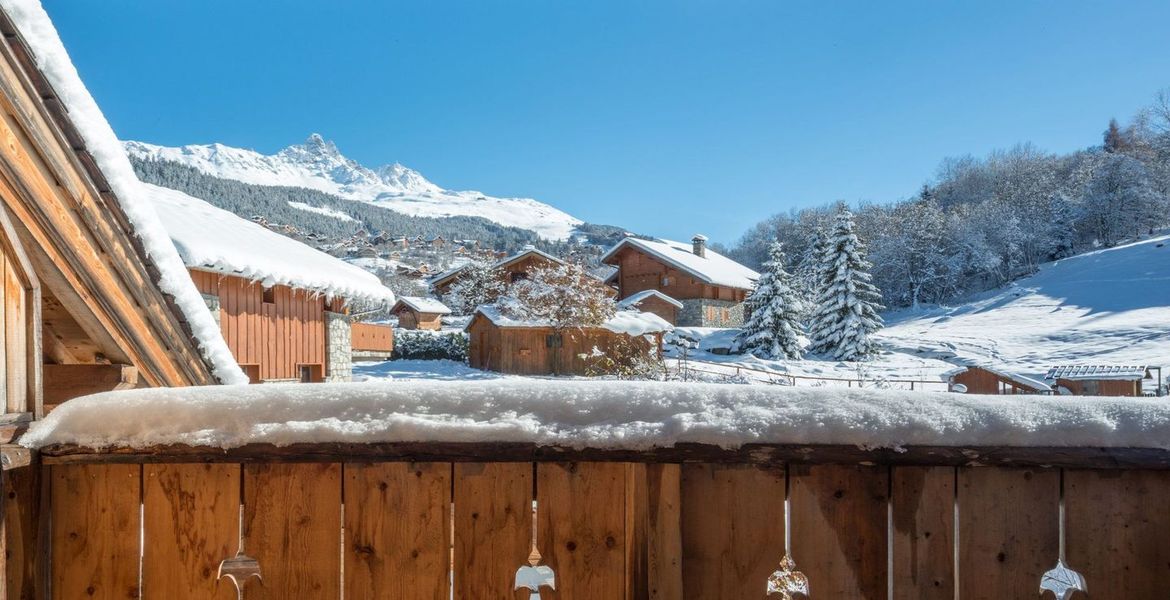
(1109, 306)
(317, 164)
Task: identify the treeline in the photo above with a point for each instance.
(984, 222)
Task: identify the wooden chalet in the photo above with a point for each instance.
(498, 343)
(711, 287)
(88, 303)
(1102, 380)
(653, 301)
(514, 267)
(415, 312)
(982, 379)
(281, 305)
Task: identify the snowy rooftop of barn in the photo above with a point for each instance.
(1097, 372)
(713, 268)
(634, 300)
(422, 305)
(595, 414)
(629, 322)
(53, 61)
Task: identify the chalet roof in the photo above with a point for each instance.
(713, 268)
(629, 322)
(499, 264)
(634, 300)
(90, 134)
(1021, 380)
(213, 239)
(421, 304)
(1097, 372)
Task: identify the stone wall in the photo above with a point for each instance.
(212, 303)
(338, 348)
(722, 313)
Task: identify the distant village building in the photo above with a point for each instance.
(514, 267)
(1104, 380)
(281, 305)
(498, 343)
(415, 312)
(981, 379)
(711, 287)
(653, 301)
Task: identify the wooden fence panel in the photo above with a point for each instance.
(21, 529)
(292, 526)
(493, 527)
(1119, 531)
(581, 516)
(732, 529)
(663, 532)
(1008, 531)
(95, 524)
(923, 513)
(191, 524)
(839, 530)
(397, 531)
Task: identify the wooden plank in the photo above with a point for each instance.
(839, 529)
(581, 526)
(191, 524)
(292, 526)
(6, 347)
(923, 519)
(1007, 531)
(15, 339)
(663, 538)
(397, 531)
(22, 504)
(1117, 529)
(732, 529)
(95, 524)
(492, 526)
(65, 382)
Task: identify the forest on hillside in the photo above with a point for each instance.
(983, 222)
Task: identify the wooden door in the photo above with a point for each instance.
(20, 326)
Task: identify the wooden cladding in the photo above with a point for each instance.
(639, 271)
(271, 339)
(371, 337)
(611, 530)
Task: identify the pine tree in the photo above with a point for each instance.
(847, 304)
(773, 330)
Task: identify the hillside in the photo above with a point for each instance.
(318, 165)
(1107, 306)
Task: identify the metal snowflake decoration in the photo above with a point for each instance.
(535, 576)
(1062, 581)
(787, 581)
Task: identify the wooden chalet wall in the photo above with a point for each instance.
(638, 271)
(371, 337)
(660, 307)
(982, 381)
(1101, 387)
(526, 350)
(412, 319)
(271, 340)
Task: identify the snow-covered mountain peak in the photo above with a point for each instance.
(319, 165)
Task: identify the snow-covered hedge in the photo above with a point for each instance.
(430, 345)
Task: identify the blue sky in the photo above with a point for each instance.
(668, 118)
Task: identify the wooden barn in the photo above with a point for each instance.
(89, 300)
(653, 301)
(1102, 380)
(416, 312)
(281, 305)
(498, 343)
(711, 287)
(982, 379)
(514, 268)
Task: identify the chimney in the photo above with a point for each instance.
(699, 245)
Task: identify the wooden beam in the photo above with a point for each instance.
(65, 382)
(760, 454)
(13, 456)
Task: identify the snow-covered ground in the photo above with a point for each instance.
(422, 370)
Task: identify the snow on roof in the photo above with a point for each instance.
(499, 264)
(1023, 380)
(1098, 372)
(598, 414)
(713, 268)
(422, 305)
(214, 239)
(634, 299)
(53, 61)
(629, 322)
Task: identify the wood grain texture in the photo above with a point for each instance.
(581, 528)
(191, 520)
(292, 526)
(839, 529)
(21, 537)
(397, 531)
(663, 538)
(732, 529)
(923, 500)
(95, 531)
(493, 527)
(1118, 532)
(1008, 531)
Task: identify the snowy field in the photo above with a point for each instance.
(422, 370)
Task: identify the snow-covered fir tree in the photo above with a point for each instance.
(563, 296)
(846, 313)
(773, 330)
(480, 282)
